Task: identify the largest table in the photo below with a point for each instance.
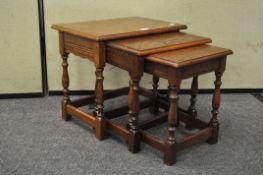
(88, 40)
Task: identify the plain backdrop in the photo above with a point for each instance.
(234, 24)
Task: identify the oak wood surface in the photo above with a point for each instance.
(79, 46)
(150, 44)
(153, 141)
(109, 29)
(189, 56)
(118, 129)
(81, 115)
(195, 138)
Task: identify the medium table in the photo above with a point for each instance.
(189, 58)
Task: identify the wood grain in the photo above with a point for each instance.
(82, 47)
(189, 56)
(117, 28)
(156, 43)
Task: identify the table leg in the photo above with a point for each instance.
(134, 105)
(192, 108)
(65, 84)
(101, 122)
(170, 143)
(154, 99)
(215, 104)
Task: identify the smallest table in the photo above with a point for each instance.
(176, 66)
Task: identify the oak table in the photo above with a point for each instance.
(176, 66)
(88, 40)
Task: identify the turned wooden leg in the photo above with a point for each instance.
(170, 143)
(101, 123)
(154, 99)
(134, 105)
(65, 84)
(95, 100)
(215, 104)
(192, 108)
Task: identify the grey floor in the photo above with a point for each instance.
(34, 140)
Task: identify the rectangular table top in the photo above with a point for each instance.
(150, 44)
(101, 30)
(189, 56)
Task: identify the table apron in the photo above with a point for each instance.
(82, 47)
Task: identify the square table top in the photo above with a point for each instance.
(109, 29)
(189, 56)
(151, 44)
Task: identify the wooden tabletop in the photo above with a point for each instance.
(109, 29)
(188, 56)
(150, 44)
